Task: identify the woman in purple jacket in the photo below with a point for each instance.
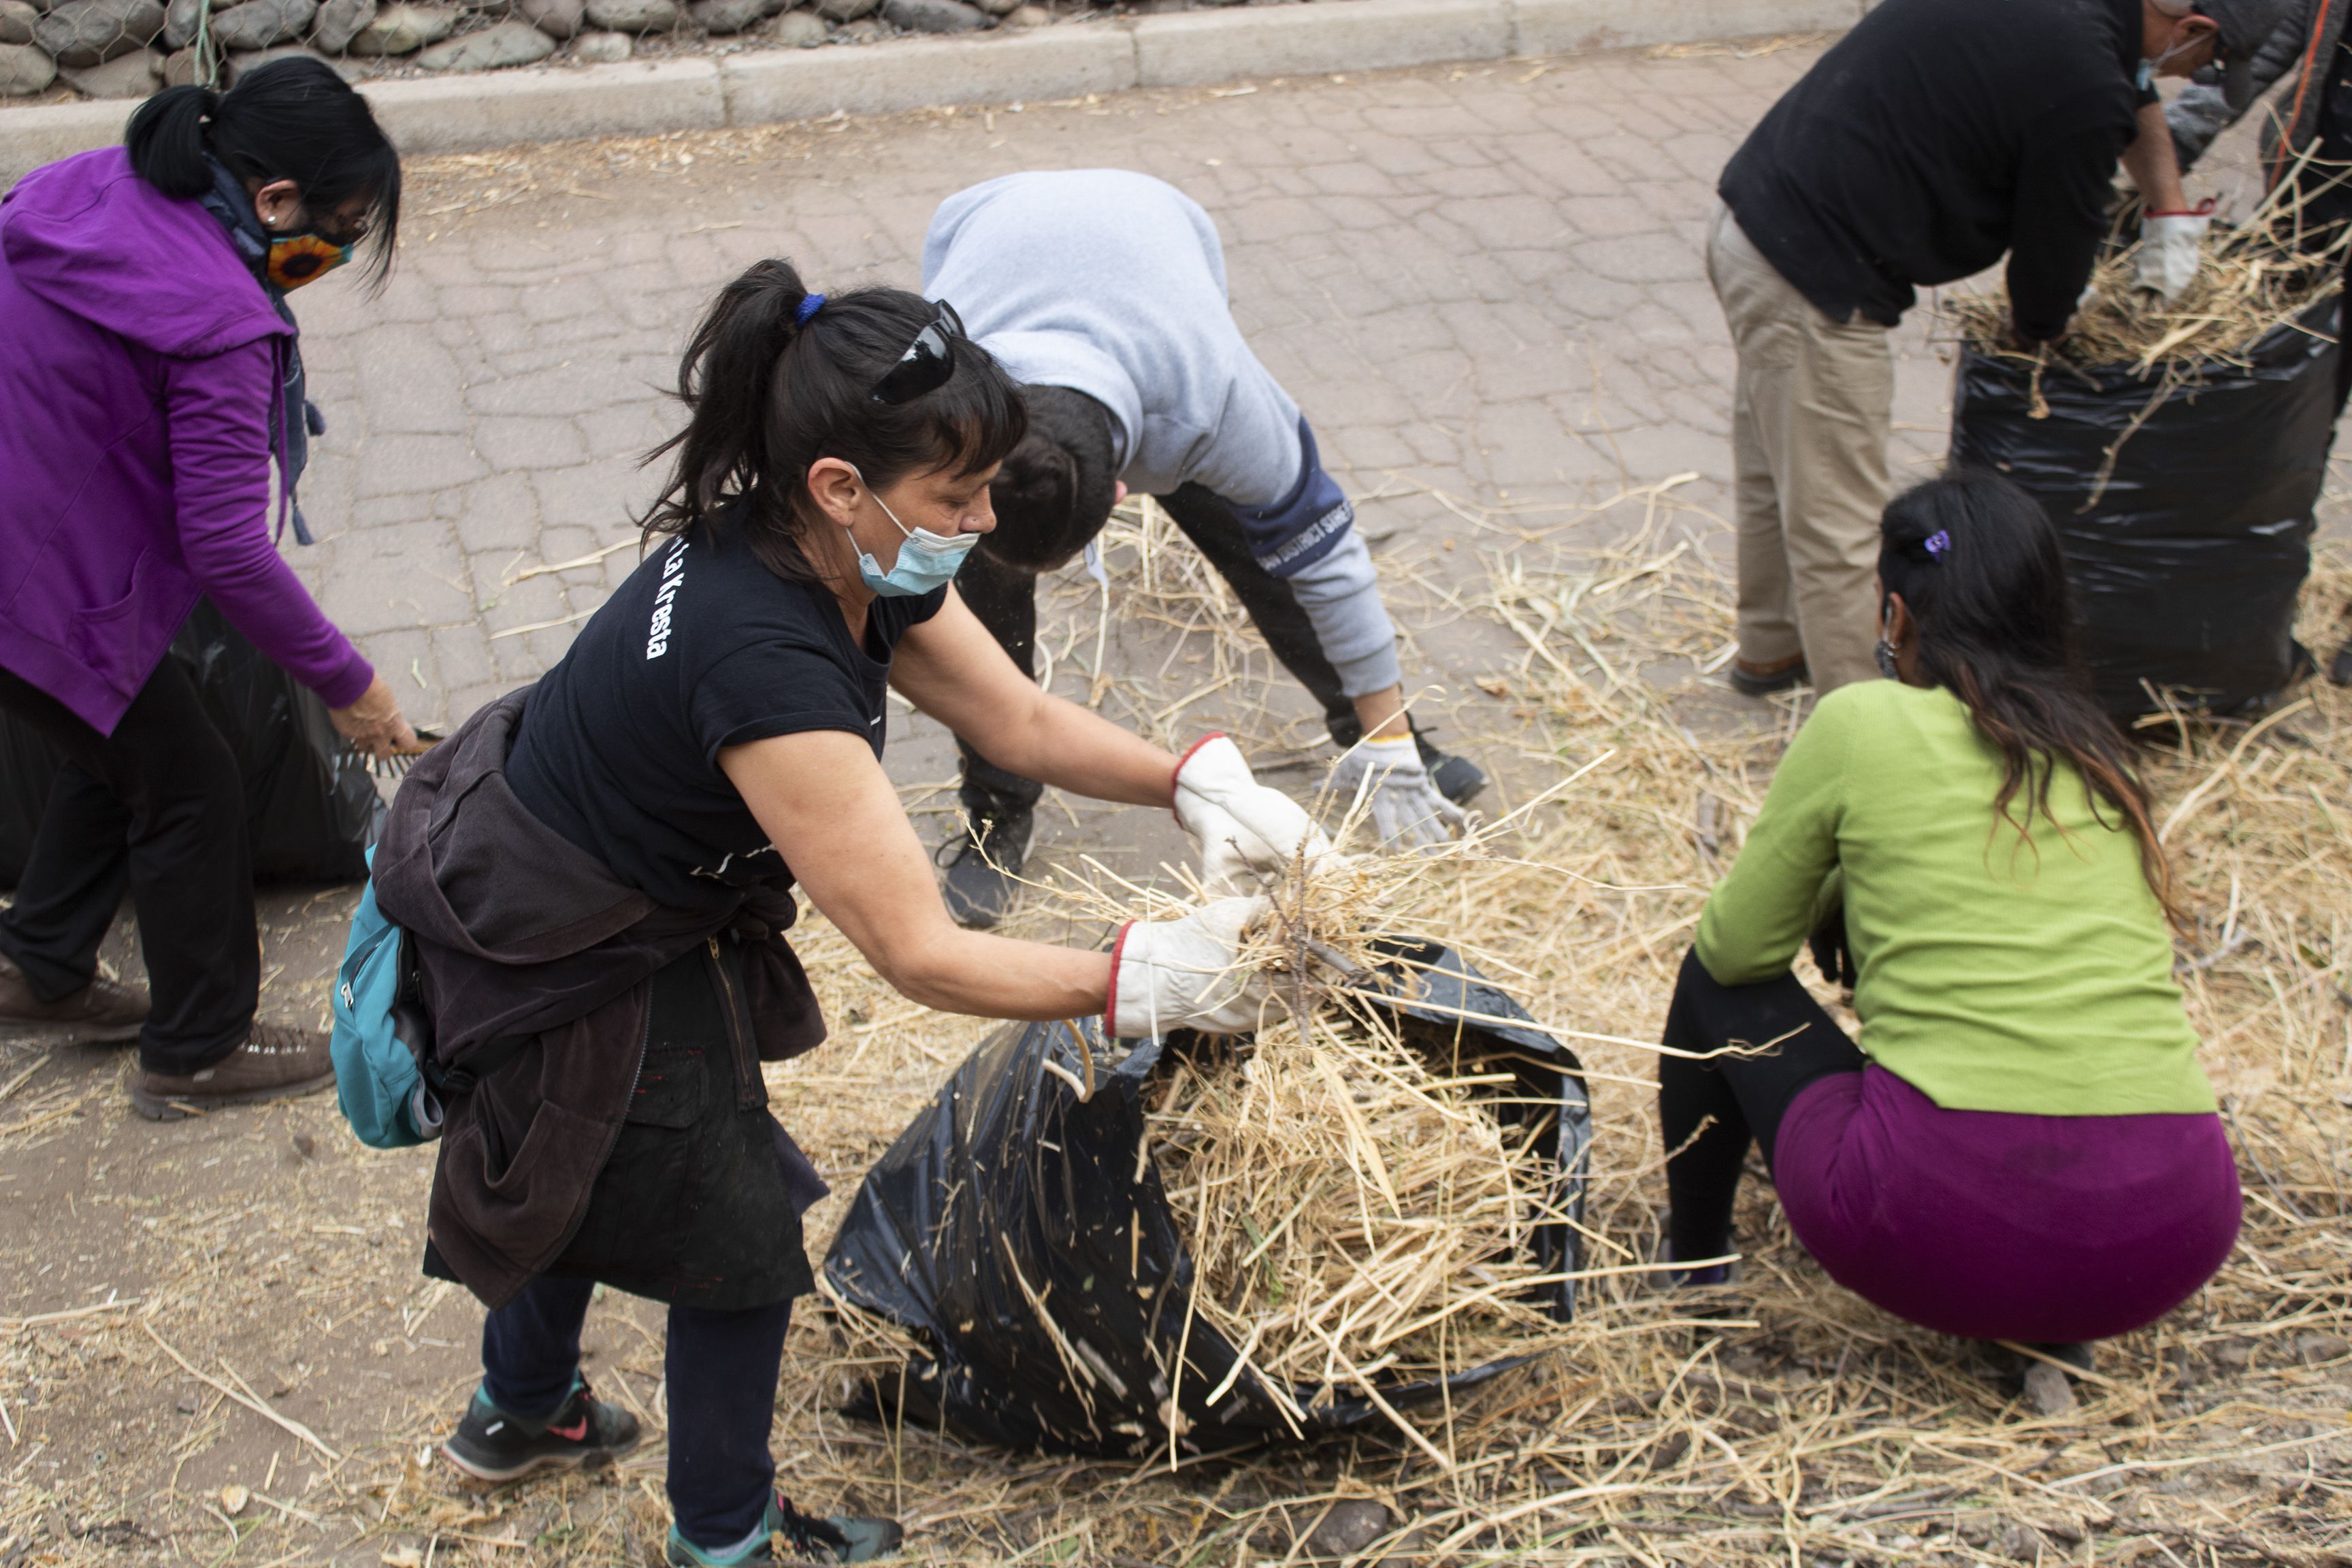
(150, 393)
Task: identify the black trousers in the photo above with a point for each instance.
(1005, 598)
(157, 807)
(722, 1369)
(1745, 1096)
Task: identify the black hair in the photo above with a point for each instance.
(1054, 490)
(1978, 565)
(292, 119)
(767, 395)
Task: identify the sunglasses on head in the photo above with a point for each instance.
(928, 363)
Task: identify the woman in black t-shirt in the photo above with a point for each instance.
(718, 728)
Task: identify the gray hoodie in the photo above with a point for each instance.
(1113, 284)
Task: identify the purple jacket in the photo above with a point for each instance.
(139, 366)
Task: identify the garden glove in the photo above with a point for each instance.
(2169, 247)
(1407, 811)
(1185, 973)
(1249, 833)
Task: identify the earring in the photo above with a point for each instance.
(1884, 652)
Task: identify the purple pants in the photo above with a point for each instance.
(2046, 1229)
(1998, 1227)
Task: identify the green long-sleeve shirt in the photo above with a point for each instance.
(1995, 975)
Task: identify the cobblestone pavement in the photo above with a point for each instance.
(1481, 281)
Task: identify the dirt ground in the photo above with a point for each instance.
(224, 1352)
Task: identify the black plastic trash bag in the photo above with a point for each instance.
(2186, 562)
(1007, 1189)
(314, 811)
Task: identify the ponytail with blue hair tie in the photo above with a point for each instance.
(809, 306)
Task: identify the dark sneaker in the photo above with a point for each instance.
(586, 1431)
(983, 866)
(103, 1011)
(1763, 680)
(275, 1062)
(1458, 779)
(842, 1538)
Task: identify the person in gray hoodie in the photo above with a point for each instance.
(1103, 292)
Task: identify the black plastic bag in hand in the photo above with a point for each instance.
(311, 807)
(2186, 515)
(1021, 1236)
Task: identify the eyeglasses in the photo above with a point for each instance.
(334, 232)
(928, 363)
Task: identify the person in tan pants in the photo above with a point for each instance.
(1809, 415)
(1932, 138)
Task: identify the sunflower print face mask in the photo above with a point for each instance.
(299, 258)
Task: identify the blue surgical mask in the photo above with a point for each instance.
(925, 560)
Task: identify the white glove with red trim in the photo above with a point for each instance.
(2170, 249)
(1249, 833)
(1185, 973)
(1407, 811)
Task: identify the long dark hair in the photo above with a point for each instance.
(768, 395)
(1978, 565)
(291, 119)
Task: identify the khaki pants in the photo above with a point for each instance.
(1809, 415)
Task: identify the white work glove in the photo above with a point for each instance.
(1407, 810)
(1184, 974)
(2170, 245)
(1249, 833)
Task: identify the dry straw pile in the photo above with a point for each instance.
(1357, 1214)
(1400, 1215)
(1800, 1427)
(2257, 277)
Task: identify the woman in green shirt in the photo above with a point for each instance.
(2022, 1145)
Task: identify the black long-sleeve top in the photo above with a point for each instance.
(1935, 136)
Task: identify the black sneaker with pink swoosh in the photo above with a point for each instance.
(583, 1432)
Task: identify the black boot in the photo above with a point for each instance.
(982, 863)
(1458, 779)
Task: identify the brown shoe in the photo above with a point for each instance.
(1763, 680)
(102, 1012)
(275, 1062)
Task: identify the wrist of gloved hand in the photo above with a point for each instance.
(1186, 973)
(1407, 811)
(1248, 833)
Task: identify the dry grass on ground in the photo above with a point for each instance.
(1808, 1428)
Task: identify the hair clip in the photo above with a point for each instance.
(809, 306)
(1935, 543)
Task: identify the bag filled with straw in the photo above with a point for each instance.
(1182, 1244)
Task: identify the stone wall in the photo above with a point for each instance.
(688, 78)
(128, 49)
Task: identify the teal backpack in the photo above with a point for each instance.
(379, 1044)
(391, 1089)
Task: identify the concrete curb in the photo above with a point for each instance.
(1193, 49)
(1189, 49)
